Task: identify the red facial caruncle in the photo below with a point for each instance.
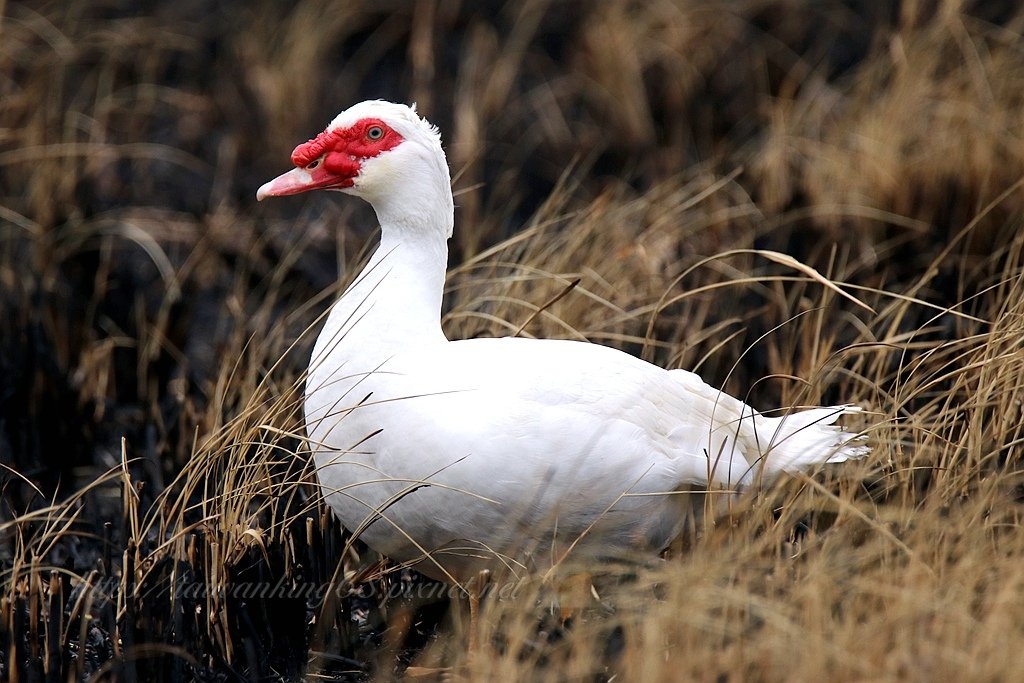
(333, 159)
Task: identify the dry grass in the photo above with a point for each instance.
(626, 173)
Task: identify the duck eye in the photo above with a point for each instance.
(375, 133)
(314, 163)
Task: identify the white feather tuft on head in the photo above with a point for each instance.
(403, 118)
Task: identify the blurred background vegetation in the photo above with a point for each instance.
(147, 300)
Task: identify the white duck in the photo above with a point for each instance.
(454, 455)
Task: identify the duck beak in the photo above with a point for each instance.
(293, 182)
(299, 180)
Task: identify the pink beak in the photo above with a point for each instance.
(300, 180)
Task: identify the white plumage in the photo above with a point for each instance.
(460, 454)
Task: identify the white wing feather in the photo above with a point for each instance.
(514, 435)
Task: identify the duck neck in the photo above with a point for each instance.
(404, 283)
(395, 302)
